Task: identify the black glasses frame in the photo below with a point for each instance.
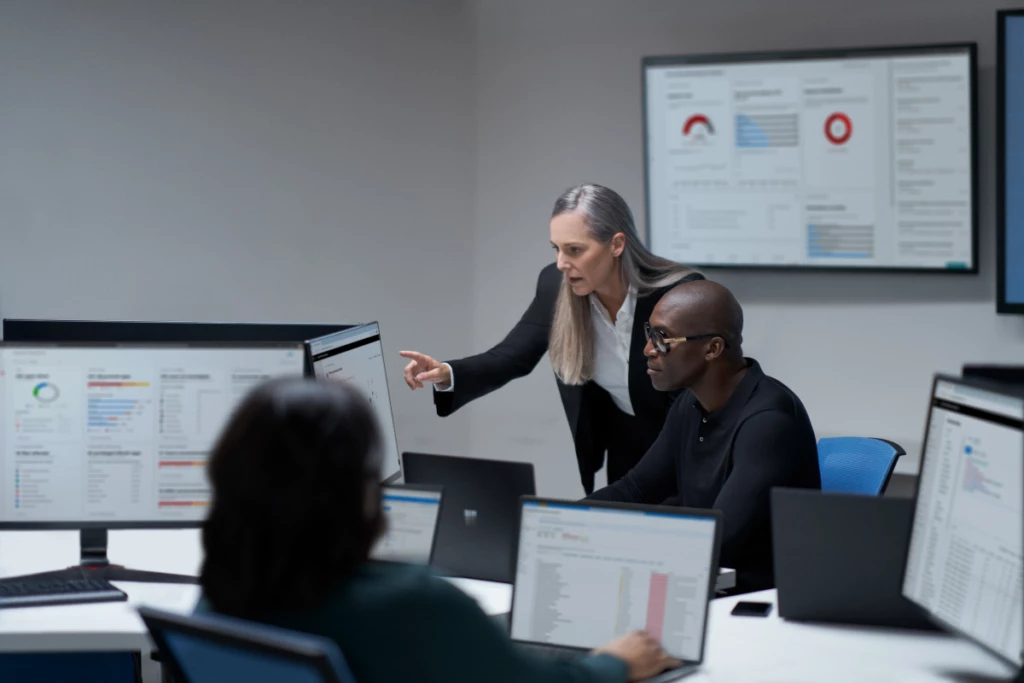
(661, 342)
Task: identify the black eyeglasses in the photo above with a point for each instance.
(661, 342)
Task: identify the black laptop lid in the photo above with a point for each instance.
(477, 533)
(839, 558)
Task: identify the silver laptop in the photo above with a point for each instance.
(412, 513)
(588, 572)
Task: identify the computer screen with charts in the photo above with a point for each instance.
(964, 561)
(587, 573)
(118, 436)
(356, 356)
(412, 514)
(854, 159)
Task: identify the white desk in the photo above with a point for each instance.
(739, 649)
(115, 626)
(104, 626)
(773, 650)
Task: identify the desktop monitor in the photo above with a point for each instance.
(161, 332)
(964, 559)
(824, 159)
(1010, 163)
(356, 356)
(99, 437)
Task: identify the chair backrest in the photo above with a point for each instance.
(856, 464)
(212, 649)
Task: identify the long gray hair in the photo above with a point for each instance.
(606, 214)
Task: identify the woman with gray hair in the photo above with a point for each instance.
(588, 313)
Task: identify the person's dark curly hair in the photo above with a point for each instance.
(296, 503)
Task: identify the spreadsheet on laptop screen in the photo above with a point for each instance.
(586, 575)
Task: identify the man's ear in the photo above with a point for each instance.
(714, 349)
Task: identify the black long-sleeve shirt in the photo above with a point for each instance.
(730, 460)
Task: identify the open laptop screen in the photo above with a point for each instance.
(587, 574)
(412, 515)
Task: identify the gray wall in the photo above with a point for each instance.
(558, 102)
(242, 160)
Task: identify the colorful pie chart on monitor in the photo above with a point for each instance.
(45, 392)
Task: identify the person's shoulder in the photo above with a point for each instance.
(550, 277)
(408, 585)
(771, 395)
(781, 397)
(548, 283)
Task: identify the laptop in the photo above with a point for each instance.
(839, 558)
(588, 572)
(477, 533)
(412, 513)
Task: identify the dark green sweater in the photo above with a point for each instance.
(397, 622)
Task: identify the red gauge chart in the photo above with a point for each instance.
(698, 126)
(838, 128)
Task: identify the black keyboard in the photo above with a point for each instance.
(57, 592)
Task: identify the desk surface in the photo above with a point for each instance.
(739, 649)
(773, 650)
(101, 626)
(116, 625)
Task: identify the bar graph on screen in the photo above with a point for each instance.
(656, 604)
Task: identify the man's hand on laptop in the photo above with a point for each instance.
(642, 653)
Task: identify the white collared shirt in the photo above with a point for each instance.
(611, 348)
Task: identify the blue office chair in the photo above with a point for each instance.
(857, 464)
(213, 649)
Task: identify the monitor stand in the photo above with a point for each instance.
(95, 565)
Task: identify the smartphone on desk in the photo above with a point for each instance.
(752, 609)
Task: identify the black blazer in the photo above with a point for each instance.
(520, 351)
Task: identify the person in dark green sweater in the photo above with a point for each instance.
(297, 508)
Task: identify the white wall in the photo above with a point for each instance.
(558, 102)
(242, 161)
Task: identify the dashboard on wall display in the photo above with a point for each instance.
(859, 159)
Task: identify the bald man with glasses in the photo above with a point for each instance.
(732, 434)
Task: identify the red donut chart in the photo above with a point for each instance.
(695, 120)
(840, 139)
